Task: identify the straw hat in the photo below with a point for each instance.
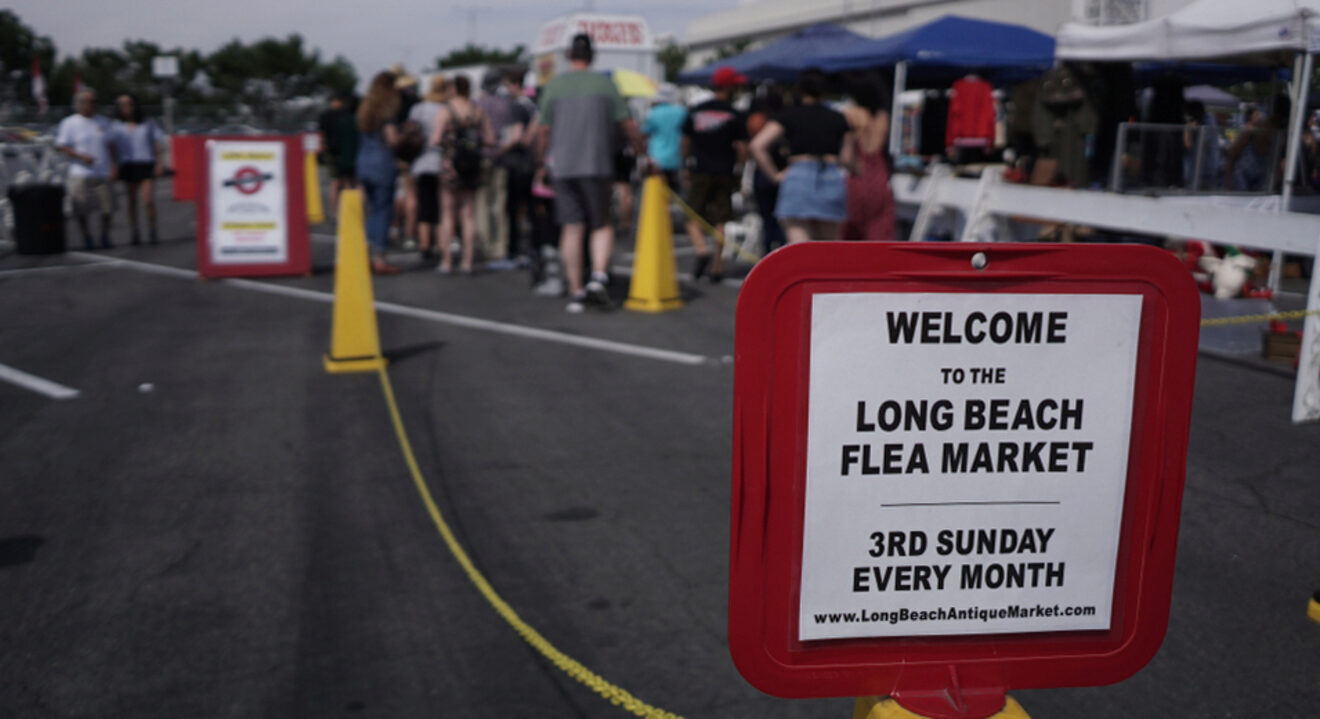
(438, 91)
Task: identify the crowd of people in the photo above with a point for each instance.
(502, 177)
(457, 178)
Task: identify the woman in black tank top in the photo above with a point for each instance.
(813, 193)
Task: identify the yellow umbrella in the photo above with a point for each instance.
(633, 84)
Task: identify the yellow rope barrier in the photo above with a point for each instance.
(717, 234)
(1249, 319)
(616, 695)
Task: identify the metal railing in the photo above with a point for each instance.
(1201, 159)
(189, 118)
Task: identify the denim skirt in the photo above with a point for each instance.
(813, 191)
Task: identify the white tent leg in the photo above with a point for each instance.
(1306, 396)
(1301, 87)
(896, 115)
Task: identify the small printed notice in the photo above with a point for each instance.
(249, 209)
(967, 457)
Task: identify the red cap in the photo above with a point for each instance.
(727, 77)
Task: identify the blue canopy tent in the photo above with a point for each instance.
(949, 48)
(783, 59)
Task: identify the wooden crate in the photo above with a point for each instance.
(1283, 345)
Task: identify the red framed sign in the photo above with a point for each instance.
(251, 208)
(958, 468)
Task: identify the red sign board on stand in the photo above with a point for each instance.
(185, 155)
(251, 209)
(958, 468)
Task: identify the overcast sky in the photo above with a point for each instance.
(372, 35)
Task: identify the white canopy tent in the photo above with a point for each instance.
(1206, 29)
(1237, 30)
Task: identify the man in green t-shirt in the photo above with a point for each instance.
(579, 112)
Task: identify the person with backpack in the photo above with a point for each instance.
(464, 132)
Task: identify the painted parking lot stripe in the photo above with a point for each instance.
(55, 268)
(505, 328)
(40, 385)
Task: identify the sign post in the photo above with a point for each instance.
(251, 213)
(958, 468)
(166, 69)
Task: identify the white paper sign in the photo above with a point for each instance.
(966, 462)
(165, 66)
(249, 211)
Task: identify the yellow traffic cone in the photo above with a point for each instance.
(354, 340)
(887, 708)
(1313, 608)
(312, 181)
(654, 280)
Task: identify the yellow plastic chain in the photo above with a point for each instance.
(1248, 319)
(717, 234)
(616, 695)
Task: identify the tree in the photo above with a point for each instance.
(261, 74)
(673, 58)
(18, 45)
(737, 47)
(272, 70)
(471, 54)
(111, 72)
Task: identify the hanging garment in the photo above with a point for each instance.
(971, 114)
(1062, 121)
(934, 116)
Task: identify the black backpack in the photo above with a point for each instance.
(412, 141)
(466, 155)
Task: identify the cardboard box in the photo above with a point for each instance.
(1283, 345)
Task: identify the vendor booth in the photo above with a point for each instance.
(1265, 32)
(621, 42)
(944, 50)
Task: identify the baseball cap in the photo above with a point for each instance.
(727, 77)
(580, 48)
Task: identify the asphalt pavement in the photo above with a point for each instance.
(215, 527)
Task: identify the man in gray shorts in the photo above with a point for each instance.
(578, 112)
(87, 142)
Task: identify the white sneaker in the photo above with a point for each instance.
(576, 305)
(597, 294)
(549, 287)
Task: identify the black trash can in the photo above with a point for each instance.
(38, 218)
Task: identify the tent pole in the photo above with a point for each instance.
(896, 115)
(1302, 68)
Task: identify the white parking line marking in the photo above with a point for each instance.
(546, 335)
(54, 268)
(54, 390)
(505, 328)
(142, 266)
